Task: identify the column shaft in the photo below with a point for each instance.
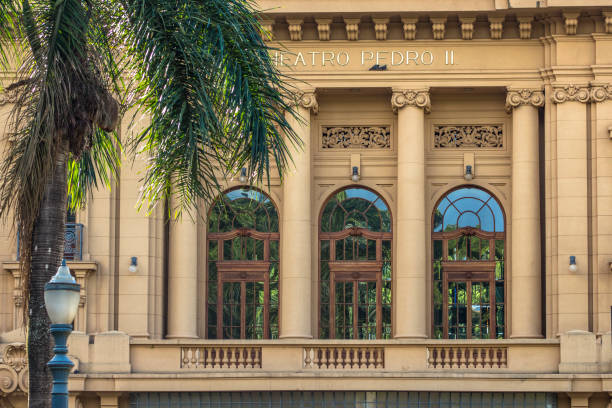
(410, 297)
(296, 239)
(182, 278)
(526, 275)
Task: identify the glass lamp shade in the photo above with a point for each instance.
(62, 295)
(62, 304)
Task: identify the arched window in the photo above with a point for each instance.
(468, 241)
(243, 267)
(355, 266)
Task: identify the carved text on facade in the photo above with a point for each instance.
(356, 137)
(468, 136)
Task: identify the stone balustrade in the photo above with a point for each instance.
(467, 356)
(344, 358)
(219, 357)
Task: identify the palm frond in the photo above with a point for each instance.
(215, 98)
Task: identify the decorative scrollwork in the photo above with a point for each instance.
(468, 136)
(356, 137)
(571, 93)
(13, 369)
(518, 97)
(601, 93)
(410, 97)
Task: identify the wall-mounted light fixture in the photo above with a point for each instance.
(355, 175)
(572, 265)
(243, 175)
(133, 265)
(468, 173)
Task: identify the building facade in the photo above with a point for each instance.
(443, 238)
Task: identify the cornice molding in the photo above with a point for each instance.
(411, 97)
(524, 96)
(570, 93)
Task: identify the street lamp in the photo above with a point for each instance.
(62, 295)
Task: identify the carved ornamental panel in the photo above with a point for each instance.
(356, 137)
(468, 136)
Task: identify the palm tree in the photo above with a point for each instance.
(198, 68)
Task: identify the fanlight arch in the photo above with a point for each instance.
(355, 246)
(468, 246)
(243, 266)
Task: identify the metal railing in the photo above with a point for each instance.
(73, 242)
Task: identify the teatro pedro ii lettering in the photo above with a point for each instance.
(343, 58)
(443, 238)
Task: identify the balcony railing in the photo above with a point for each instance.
(73, 242)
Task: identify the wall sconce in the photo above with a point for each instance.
(355, 176)
(572, 265)
(243, 175)
(133, 265)
(468, 173)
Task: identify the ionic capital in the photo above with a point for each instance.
(411, 97)
(567, 93)
(308, 100)
(601, 93)
(525, 96)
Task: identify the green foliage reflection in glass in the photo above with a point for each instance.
(355, 207)
(475, 208)
(243, 209)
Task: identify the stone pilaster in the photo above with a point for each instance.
(183, 278)
(526, 267)
(296, 233)
(411, 262)
(571, 207)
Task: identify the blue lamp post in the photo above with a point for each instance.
(62, 295)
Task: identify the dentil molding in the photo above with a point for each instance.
(411, 97)
(570, 93)
(518, 97)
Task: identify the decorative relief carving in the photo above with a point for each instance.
(525, 27)
(356, 137)
(380, 27)
(267, 30)
(608, 21)
(467, 27)
(323, 27)
(518, 97)
(13, 369)
(571, 23)
(601, 93)
(409, 97)
(410, 27)
(307, 100)
(438, 26)
(352, 28)
(295, 29)
(496, 27)
(575, 93)
(468, 136)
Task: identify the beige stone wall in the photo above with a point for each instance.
(480, 62)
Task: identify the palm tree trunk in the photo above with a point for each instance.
(47, 252)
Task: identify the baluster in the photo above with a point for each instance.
(307, 360)
(475, 357)
(380, 360)
(207, 357)
(184, 359)
(249, 358)
(371, 360)
(316, 358)
(258, 356)
(351, 357)
(453, 357)
(447, 357)
(488, 358)
(459, 353)
(505, 357)
(217, 360)
(324, 358)
(200, 361)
